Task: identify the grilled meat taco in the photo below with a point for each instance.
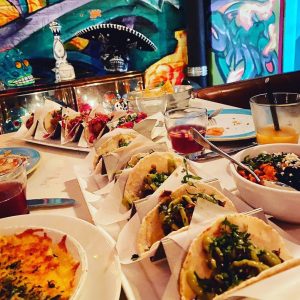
(95, 126)
(114, 144)
(174, 211)
(72, 125)
(29, 121)
(51, 122)
(235, 251)
(148, 175)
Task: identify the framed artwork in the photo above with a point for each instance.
(291, 36)
(246, 39)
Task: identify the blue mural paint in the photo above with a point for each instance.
(292, 39)
(156, 19)
(243, 39)
(15, 69)
(14, 33)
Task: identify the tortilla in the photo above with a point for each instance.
(135, 182)
(262, 236)
(112, 145)
(96, 127)
(73, 127)
(51, 124)
(151, 229)
(136, 158)
(48, 125)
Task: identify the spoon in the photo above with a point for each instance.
(201, 140)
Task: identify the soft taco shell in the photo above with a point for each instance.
(262, 236)
(111, 145)
(87, 133)
(135, 181)
(151, 229)
(73, 134)
(49, 127)
(53, 130)
(136, 158)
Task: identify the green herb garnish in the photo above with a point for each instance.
(232, 258)
(187, 177)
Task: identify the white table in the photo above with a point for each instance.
(54, 177)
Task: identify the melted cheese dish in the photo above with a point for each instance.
(32, 267)
(9, 162)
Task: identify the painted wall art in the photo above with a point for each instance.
(99, 36)
(246, 39)
(291, 38)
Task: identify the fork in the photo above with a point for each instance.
(211, 120)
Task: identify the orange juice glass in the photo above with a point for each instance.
(287, 108)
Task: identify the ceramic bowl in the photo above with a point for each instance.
(283, 205)
(73, 246)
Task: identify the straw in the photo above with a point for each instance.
(272, 101)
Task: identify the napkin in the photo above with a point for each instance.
(23, 132)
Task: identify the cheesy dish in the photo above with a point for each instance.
(33, 267)
(9, 161)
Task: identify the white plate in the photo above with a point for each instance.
(237, 123)
(57, 144)
(104, 276)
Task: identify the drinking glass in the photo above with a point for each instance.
(13, 181)
(287, 111)
(152, 105)
(178, 123)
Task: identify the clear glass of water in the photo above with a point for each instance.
(152, 105)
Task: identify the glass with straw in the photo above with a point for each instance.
(276, 117)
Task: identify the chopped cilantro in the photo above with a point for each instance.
(187, 175)
(232, 258)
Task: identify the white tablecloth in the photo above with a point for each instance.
(54, 177)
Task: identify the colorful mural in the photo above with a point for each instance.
(15, 69)
(244, 39)
(25, 24)
(171, 67)
(291, 44)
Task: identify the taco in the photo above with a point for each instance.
(51, 122)
(130, 119)
(95, 127)
(148, 175)
(29, 121)
(72, 125)
(175, 210)
(114, 145)
(136, 158)
(235, 251)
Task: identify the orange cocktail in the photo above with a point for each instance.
(268, 135)
(280, 111)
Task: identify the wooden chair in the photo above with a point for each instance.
(239, 93)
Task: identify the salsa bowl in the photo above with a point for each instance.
(282, 204)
